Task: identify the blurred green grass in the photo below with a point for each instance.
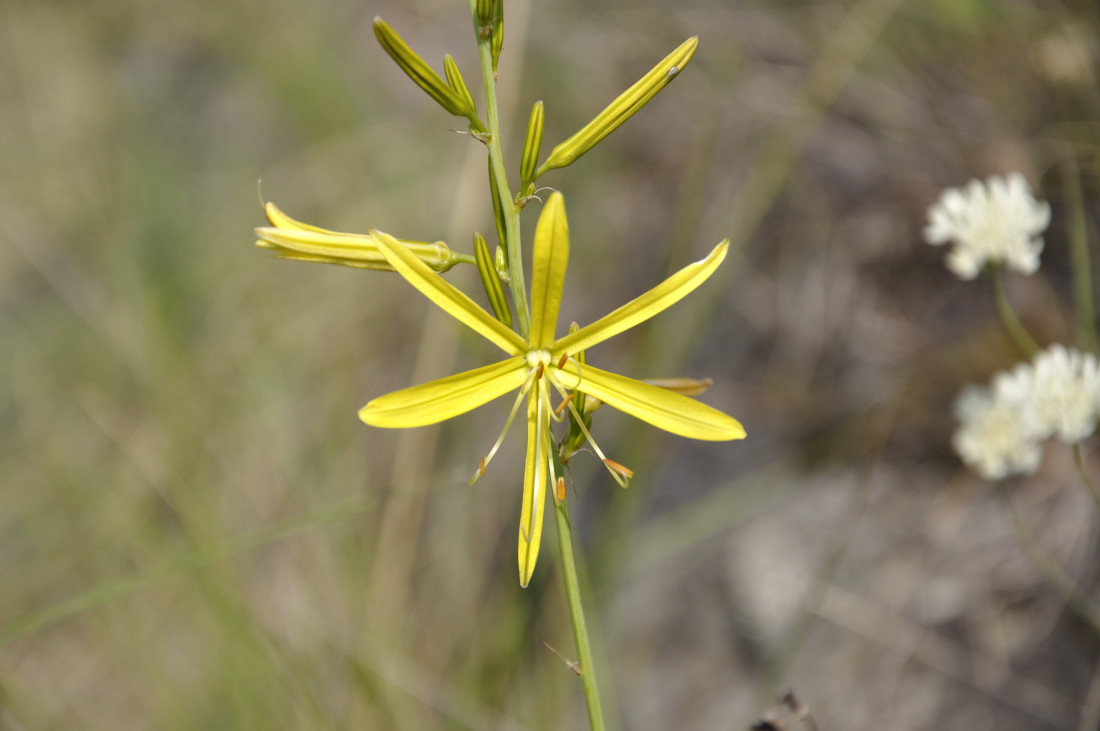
(196, 531)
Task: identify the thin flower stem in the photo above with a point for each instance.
(496, 161)
(1079, 253)
(576, 613)
(1015, 328)
(1057, 576)
(1090, 486)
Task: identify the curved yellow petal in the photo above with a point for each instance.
(657, 406)
(279, 219)
(444, 294)
(664, 295)
(551, 255)
(534, 483)
(439, 400)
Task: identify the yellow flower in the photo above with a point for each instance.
(541, 363)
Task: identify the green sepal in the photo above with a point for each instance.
(622, 109)
(494, 291)
(532, 145)
(421, 73)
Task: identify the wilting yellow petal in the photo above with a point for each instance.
(279, 219)
(355, 250)
(455, 302)
(657, 406)
(438, 400)
(664, 295)
(551, 255)
(534, 484)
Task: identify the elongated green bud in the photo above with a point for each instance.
(458, 84)
(494, 291)
(421, 73)
(532, 144)
(622, 109)
(484, 10)
(498, 205)
(496, 38)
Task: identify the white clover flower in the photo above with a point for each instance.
(1066, 393)
(998, 221)
(996, 429)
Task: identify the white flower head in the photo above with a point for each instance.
(998, 221)
(1066, 393)
(996, 429)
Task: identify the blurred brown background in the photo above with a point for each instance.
(197, 532)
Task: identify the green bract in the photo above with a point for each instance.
(543, 364)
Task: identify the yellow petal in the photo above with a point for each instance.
(534, 484)
(664, 295)
(438, 290)
(551, 255)
(657, 406)
(439, 400)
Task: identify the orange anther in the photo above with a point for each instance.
(538, 373)
(481, 468)
(618, 468)
(564, 403)
(563, 361)
(559, 489)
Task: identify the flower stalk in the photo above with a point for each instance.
(496, 169)
(576, 614)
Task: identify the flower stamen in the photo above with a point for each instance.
(619, 468)
(621, 474)
(564, 403)
(500, 440)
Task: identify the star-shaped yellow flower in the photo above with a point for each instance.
(541, 363)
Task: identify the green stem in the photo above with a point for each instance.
(1057, 576)
(1079, 460)
(496, 161)
(1012, 323)
(587, 669)
(1079, 253)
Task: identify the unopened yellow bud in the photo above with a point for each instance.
(622, 109)
(494, 291)
(532, 144)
